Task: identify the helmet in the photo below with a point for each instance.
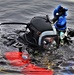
(48, 39)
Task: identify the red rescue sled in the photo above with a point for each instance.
(15, 59)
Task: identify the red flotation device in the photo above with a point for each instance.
(15, 59)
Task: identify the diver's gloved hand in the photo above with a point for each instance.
(47, 19)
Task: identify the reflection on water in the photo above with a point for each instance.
(24, 10)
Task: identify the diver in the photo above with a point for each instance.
(59, 21)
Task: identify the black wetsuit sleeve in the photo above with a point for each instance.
(56, 17)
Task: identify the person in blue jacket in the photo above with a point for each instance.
(60, 18)
(60, 22)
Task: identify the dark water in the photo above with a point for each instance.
(24, 10)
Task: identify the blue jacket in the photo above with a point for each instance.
(61, 23)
